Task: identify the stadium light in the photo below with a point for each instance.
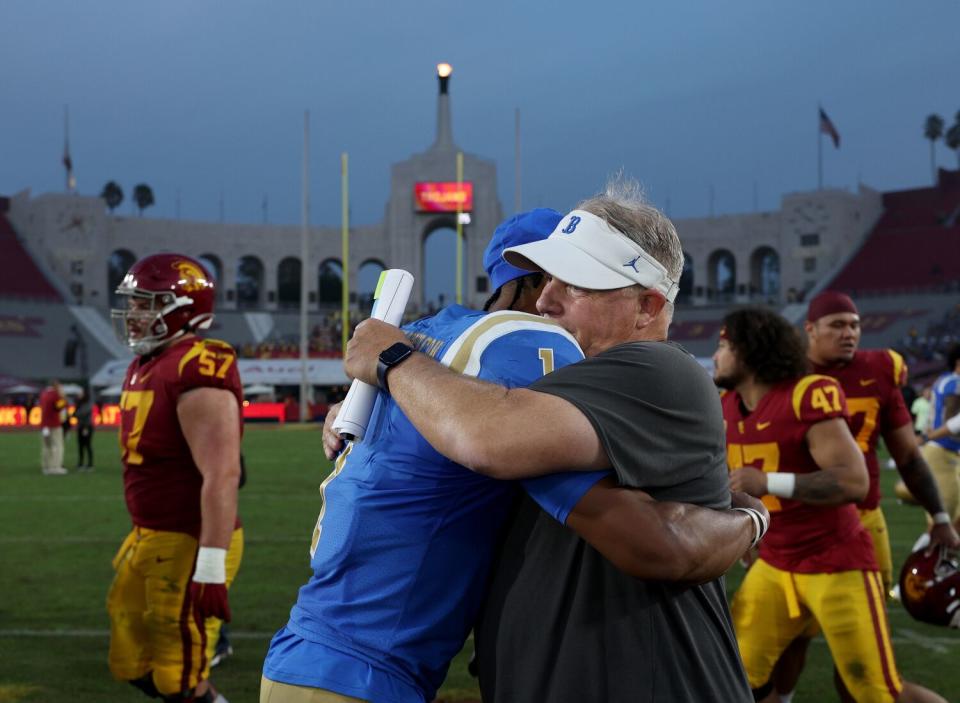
(443, 73)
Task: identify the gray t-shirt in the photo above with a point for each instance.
(561, 624)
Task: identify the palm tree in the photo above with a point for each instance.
(933, 130)
(952, 138)
(112, 195)
(142, 196)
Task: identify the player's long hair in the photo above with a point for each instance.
(766, 344)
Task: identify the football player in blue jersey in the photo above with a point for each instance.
(942, 450)
(403, 545)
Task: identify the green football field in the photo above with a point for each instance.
(60, 533)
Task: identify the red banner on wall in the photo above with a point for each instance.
(264, 411)
(443, 197)
(109, 415)
(13, 416)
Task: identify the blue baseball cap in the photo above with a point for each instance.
(532, 226)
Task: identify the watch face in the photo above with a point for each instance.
(395, 353)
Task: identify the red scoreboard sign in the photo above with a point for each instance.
(443, 197)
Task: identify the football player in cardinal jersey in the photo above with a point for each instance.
(871, 380)
(788, 441)
(180, 441)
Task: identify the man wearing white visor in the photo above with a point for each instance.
(561, 623)
(585, 251)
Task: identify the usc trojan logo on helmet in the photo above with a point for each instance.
(192, 277)
(930, 586)
(914, 586)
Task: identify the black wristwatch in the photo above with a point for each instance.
(390, 357)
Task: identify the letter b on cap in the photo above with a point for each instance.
(572, 225)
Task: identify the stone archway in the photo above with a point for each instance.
(722, 275)
(439, 264)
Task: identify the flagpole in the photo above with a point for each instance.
(71, 182)
(459, 228)
(304, 251)
(345, 251)
(66, 144)
(819, 149)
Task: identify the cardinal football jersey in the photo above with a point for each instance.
(404, 541)
(161, 481)
(871, 382)
(803, 538)
(51, 408)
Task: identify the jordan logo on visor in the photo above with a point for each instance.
(633, 264)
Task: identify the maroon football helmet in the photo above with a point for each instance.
(930, 587)
(168, 295)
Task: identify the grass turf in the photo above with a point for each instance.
(60, 532)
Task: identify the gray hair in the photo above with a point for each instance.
(623, 206)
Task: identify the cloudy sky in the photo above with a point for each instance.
(201, 98)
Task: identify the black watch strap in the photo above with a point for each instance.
(390, 357)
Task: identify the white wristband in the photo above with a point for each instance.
(211, 565)
(760, 524)
(781, 485)
(942, 518)
(953, 424)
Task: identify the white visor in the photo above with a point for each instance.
(587, 252)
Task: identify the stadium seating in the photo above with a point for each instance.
(919, 325)
(904, 278)
(697, 328)
(914, 247)
(35, 338)
(20, 277)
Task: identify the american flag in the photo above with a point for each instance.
(826, 127)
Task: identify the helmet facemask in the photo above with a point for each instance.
(167, 296)
(142, 325)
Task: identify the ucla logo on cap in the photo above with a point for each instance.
(572, 225)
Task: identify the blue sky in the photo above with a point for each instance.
(208, 97)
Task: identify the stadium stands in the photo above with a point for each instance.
(20, 277)
(920, 325)
(283, 342)
(904, 277)
(38, 340)
(697, 328)
(40, 336)
(914, 247)
(926, 343)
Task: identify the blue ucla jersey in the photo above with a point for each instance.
(946, 386)
(405, 538)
